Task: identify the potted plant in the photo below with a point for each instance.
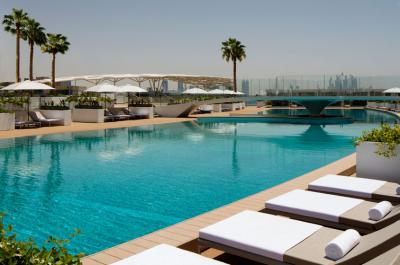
(142, 107)
(7, 116)
(88, 108)
(7, 119)
(59, 110)
(378, 153)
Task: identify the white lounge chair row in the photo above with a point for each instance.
(314, 233)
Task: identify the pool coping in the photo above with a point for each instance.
(185, 233)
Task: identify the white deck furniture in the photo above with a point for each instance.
(167, 255)
(262, 234)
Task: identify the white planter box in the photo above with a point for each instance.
(143, 111)
(371, 165)
(65, 115)
(217, 107)
(7, 121)
(88, 115)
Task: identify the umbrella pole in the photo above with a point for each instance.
(29, 102)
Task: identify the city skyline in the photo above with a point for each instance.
(282, 37)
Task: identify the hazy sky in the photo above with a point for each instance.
(282, 36)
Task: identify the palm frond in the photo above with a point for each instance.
(233, 50)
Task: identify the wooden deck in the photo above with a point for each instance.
(184, 234)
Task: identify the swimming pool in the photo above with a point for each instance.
(118, 184)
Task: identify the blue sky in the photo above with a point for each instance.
(282, 37)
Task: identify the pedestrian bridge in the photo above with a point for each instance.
(314, 104)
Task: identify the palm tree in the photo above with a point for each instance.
(56, 43)
(233, 50)
(14, 23)
(34, 34)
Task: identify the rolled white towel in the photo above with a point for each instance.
(398, 190)
(342, 244)
(380, 210)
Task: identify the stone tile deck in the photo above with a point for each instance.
(184, 234)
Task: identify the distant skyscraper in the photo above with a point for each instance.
(164, 86)
(246, 86)
(180, 87)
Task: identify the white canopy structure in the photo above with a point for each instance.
(103, 88)
(195, 91)
(27, 86)
(155, 80)
(393, 90)
(131, 89)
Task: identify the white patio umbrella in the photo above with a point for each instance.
(238, 93)
(228, 92)
(103, 88)
(28, 86)
(216, 92)
(131, 89)
(195, 91)
(393, 90)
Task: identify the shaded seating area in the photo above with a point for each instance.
(26, 124)
(38, 117)
(116, 114)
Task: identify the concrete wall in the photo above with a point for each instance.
(371, 165)
(7, 121)
(143, 111)
(88, 115)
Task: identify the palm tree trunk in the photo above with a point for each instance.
(234, 76)
(53, 71)
(31, 44)
(17, 57)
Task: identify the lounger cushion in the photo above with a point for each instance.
(359, 187)
(262, 234)
(167, 255)
(313, 204)
(40, 116)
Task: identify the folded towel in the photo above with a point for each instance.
(380, 210)
(398, 190)
(342, 244)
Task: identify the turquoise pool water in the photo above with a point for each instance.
(119, 184)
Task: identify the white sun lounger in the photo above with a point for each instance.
(271, 239)
(357, 187)
(329, 210)
(262, 234)
(167, 255)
